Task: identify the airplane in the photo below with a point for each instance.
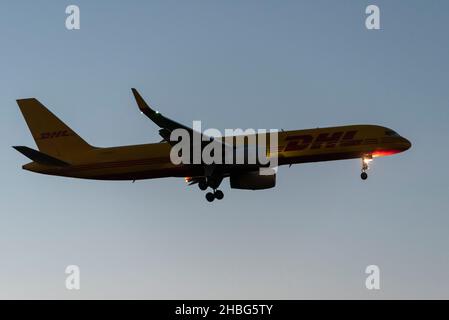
(62, 152)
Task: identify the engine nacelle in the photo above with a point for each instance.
(252, 181)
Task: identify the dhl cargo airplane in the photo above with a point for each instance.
(62, 152)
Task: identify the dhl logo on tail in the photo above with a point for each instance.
(54, 134)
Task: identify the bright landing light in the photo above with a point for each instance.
(367, 160)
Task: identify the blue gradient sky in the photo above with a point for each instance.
(231, 64)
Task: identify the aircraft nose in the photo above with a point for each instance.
(406, 143)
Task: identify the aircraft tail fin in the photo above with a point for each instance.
(52, 136)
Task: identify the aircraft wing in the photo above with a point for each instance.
(167, 125)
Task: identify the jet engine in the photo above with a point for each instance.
(252, 180)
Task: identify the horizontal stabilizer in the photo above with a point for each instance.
(40, 157)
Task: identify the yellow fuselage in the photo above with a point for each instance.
(148, 161)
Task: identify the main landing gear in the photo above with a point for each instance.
(217, 194)
(202, 185)
(365, 166)
(212, 181)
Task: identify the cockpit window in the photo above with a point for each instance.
(391, 133)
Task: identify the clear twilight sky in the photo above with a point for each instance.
(231, 64)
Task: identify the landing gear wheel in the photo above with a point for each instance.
(219, 194)
(202, 185)
(364, 175)
(210, 196)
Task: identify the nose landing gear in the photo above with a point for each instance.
(365, 166)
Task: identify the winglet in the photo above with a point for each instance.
(155, 116)
(143, 106)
